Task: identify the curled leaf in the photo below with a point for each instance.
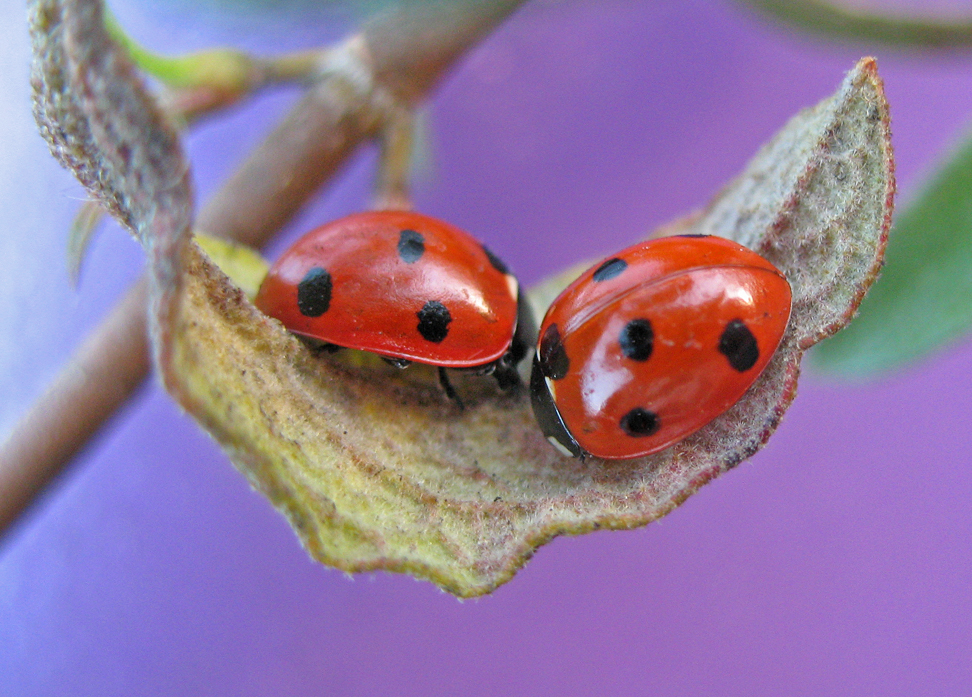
(101, 123)
(376, 470)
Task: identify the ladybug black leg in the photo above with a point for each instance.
(400, 363)
(506, 374)
(321, 347)
(524, 338)
(449, 389)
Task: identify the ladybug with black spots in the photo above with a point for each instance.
(653, 343)
(406, 286)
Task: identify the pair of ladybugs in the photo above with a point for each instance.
(642, 350)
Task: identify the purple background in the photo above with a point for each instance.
(837, 561)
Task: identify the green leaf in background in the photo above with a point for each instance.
(358, 9)
(923, 299)
(848, 21)
(219, 68)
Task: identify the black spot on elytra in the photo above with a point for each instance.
(411, 246)
(552, 355)
(637, 340)
(639, 423)
(496, 261)
(738, 344)
(434, 321)
(314, 293)
(609, 269)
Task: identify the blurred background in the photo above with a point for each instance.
(836, 561)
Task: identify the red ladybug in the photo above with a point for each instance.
(407, 287)
(653, 343)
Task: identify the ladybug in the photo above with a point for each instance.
(653, 343)
(406, 286)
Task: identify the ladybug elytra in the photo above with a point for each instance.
(653, 343)
(407, 287)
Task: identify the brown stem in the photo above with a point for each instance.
(407, 52)
(288, 67)
(98, 379)
(298, 156)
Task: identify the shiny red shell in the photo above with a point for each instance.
(399, 284)
(655, 342)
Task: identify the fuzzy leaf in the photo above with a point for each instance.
(101, 122)
(375, 469)
(922, 301)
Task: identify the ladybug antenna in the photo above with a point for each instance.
(449, 389)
